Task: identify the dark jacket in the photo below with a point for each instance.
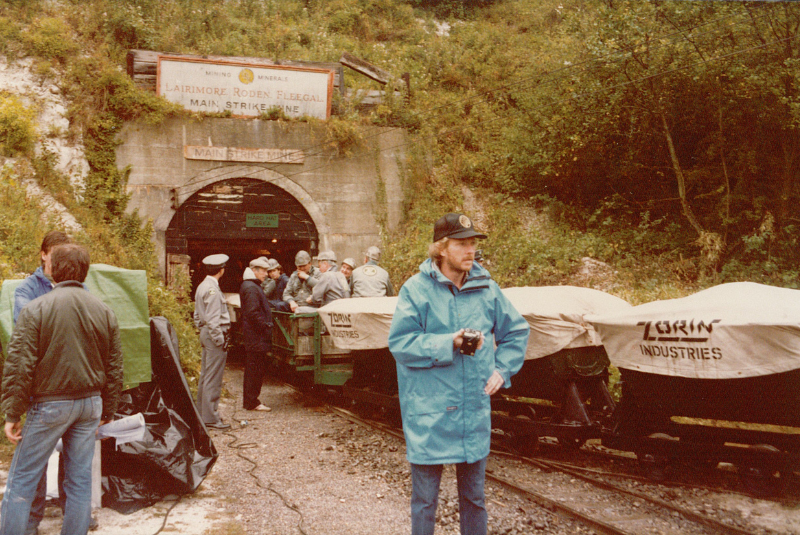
(274, 289)
(65, 345)
(256, 318)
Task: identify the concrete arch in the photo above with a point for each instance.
(182, 193)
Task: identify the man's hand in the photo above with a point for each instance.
(292, 305)
(302, 275)
(308, 300)
(458, 339)
(494, 383)
(102, 423)
(14, 432)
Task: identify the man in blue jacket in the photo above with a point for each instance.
(41, 281)
(444, 392)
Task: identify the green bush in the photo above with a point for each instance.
(51, 38)
(17, 127)
(21, 224)
(9, 33)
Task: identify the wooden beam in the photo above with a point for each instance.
(369, 70)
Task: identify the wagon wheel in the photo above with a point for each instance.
(653, 466)
(527, 445)
(762, 481)
(571, 444)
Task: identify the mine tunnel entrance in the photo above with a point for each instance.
(243, 218)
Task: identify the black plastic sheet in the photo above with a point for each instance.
(177, 453)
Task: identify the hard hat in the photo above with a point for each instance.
(373, 253)
(329, 256)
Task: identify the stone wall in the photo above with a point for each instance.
(339, 191)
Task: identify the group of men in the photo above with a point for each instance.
(63, 368)
(445, 365)
(313, 287)
(266, 288)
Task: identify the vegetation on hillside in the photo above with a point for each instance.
(660, 137)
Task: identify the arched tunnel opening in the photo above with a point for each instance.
(243, 218)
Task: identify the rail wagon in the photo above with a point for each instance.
(713, 377)
(301, 347)
(561, 390)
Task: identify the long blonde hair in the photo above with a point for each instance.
(435, 249)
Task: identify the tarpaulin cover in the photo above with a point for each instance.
(359, 323)
(176, 453)
(730, 331)
(125, 291)
(555, 314)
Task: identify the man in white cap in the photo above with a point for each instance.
(256, 318)
(332, 285)
(302, 281)
(211, 316)
(371, 280)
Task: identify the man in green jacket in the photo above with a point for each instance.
(64, 367)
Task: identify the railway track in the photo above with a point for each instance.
(590, 500)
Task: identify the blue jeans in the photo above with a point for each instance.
(75, 422)
(37, 507)
(425, 481)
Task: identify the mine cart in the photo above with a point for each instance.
(361, 326)
(709, 378)
(302, 346)
(562, 389)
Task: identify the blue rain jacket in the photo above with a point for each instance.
(32, 287)
(446, 414)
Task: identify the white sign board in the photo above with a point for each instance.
(245, 89)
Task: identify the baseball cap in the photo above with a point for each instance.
(456, 226)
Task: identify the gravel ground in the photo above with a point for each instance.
(302, 469)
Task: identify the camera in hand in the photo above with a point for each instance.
(471, 340)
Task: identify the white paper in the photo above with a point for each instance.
(128, 429)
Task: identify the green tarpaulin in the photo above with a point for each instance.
(125, 291)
